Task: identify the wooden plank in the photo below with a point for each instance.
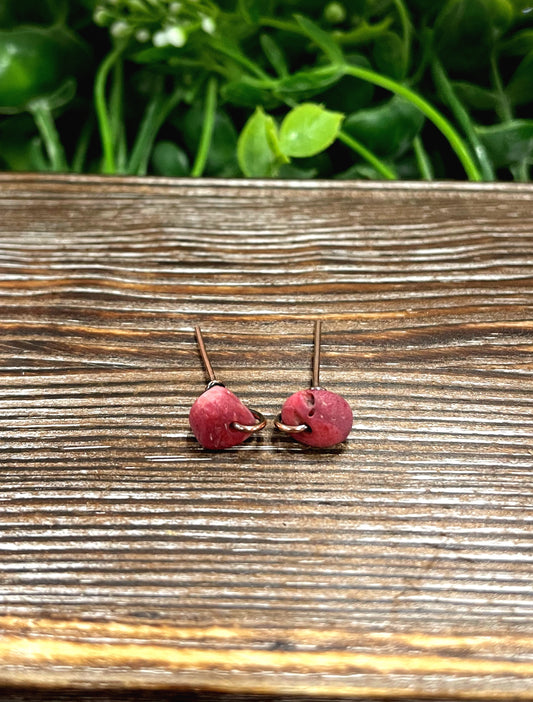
(396, 566)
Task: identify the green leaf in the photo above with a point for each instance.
(155, 55)
(258, 149)
(388, 129)
(321, 38)
(308, 129)
(249, 10)
(308, 83)
(475, 96)
(360, 171)
(520, 88)
(363, 33)
(350, 94)
(169, 160)
(389, 55)
(466, 31)
(248, 92)
(18, 143)
(292, 172)
(426, 10)
(508, 143)
(519, 44)
(274, 54)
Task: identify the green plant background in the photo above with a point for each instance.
(372, 89)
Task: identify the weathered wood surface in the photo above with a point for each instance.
(397, 566)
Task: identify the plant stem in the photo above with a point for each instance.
(463, 118)
(145, 136)
(280, 24)
(438, 119)
(82, 146)
(207, 128)
(520, 171)
(47, 129)
(238, 56)
(368, 155)
(154, 116)
(422, 159)
(104, 122)
(38, 160)
(406, 31)
(506, 112)
(362, 34)
(116, 109)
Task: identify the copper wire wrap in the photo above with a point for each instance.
(251, 428)
(288, 428)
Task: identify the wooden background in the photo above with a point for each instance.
(398, 566)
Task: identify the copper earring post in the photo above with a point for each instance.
(315, 383)
(205, 357)
(248, 428)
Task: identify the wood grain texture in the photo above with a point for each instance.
(397, 566)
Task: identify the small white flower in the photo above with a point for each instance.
(175, 7)
(120, 29)
(101, 16)
(176, 36)
(142, 35)
(172, 36)
(160, 38)
(208, 25)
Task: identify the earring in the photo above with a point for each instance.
(218, 418)
(316, 417)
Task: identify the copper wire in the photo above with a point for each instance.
(290, 428)
(315, 383)
(251, 428)
(205, 358)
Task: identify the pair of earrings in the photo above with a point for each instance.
(315, 416)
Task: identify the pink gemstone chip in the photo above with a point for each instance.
(212, 415)
(328, 416)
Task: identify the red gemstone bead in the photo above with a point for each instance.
(212, 415)
(328, 416)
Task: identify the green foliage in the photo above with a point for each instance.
(466, 31)
(388, 129)
(258, 150)
(510, 143)
(390, 55)
(168, 159)
(264, 88)
(34, 64)
(221, 160)
(308, 129)
(520, 86)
